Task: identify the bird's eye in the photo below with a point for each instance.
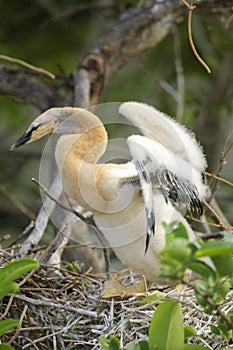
(34, 127)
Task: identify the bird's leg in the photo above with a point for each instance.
(107, 263)
(105, 244)
(88, 218)
(147, 192)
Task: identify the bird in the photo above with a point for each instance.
(130, 201)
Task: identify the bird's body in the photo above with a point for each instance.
(108, 190)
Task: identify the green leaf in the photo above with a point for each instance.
(194, 347)
(189, 332)
(215, 248)
(214, 329)
(11, 287)
(104, 342)
(153, 297)
(5, 346)
(179, 249)
(201, 286)
(7, 325)
(223, 264)
(222, 289)
(168, 262)
(227, 236)
(141, 345)
(15, 269)
(180, 231)
(114, 343)
(166, 328)
(166, 272)
(202, 269)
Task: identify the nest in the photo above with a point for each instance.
(63, 309)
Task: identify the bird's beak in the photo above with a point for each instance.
(22, 140)
(35, 132)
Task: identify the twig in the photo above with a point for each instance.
(8, 307)
(215, 215)
(215, 307)
(19, 326)
(218, 210)
(60, 306)
(222, 162)
(71, 210)
(206, 236)
(226, 148)
(191, 8)
(18, 204)
(28, 65)
(208, 223)
(24, 233)
(43, 338)
(179, 74)
(61, 330)
(18, 82)
(219, 178)
(5, 238)
(31, 343)
(53, 245)
(44, 258)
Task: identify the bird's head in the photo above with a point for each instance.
(46, 123)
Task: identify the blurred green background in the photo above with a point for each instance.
(54, 35)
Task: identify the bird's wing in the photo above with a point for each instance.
(147, 191)
(158, 168)
(159, 127)
(175, 177)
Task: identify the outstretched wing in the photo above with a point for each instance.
(176, 178)
(158, 168)
(159, 127)
(167, 158)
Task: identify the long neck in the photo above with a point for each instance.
(76, 156)
(87, 147)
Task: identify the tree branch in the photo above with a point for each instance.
(18, 82)
(136, 30)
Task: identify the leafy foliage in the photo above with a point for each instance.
(166, 331)
(215, 278)
(8, 274)
(215, 273)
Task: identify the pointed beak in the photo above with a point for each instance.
(22, 140)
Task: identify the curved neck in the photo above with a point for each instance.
(87, 142)
(76, 156)
(94, 186)
(87, 147)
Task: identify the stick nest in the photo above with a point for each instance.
(62, 309)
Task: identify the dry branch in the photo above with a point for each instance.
(18, 82)
(28, 65)
(137, 30)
